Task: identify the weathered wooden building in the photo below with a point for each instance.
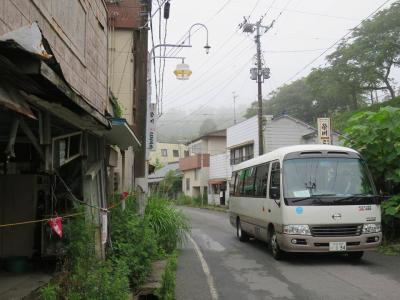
(56, 120)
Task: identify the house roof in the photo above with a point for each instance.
(159, 174)
(217, 133)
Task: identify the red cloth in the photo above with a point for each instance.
(56, 225)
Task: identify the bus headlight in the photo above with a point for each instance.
(297, 229)
(371, 228)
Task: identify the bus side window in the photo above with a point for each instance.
(232, 185)
(239, 182)
(248, 185)
(275, 181)
(261, 180)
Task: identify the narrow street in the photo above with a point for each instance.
(247, 271)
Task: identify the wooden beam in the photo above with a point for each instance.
(32, 138)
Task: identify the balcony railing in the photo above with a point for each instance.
(194, 162)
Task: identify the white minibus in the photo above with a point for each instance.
(307, 198)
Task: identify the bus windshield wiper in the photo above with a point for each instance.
(315, 196)
(353, 197)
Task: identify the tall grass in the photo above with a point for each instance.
(170, 224)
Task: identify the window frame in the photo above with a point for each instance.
(174, 151)
(270, 179)
(164, 151)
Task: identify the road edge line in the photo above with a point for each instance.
(206, 269)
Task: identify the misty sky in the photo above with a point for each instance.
(302, 31)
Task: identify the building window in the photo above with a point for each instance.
(175, 153)
(186, 153)
(164, 152)
(196, 174)
(187, 184)
(241, 154)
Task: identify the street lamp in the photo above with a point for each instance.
(182, 71)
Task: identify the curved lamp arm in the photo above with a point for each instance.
(207, 46)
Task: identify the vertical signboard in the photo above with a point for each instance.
(324, 131)
(151, 115)
(151, 138)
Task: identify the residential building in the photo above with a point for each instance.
(127, 59)
(166, 153)
(242, 144)
(156, 179)
(195, 167)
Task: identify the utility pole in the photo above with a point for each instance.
(259, 73)
(234, 107)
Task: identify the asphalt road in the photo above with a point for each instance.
(213, 264)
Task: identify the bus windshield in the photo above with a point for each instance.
(326, 177)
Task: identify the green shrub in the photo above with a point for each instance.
(167, 290)
(132, 242)
(49, 292)
(197, 201)
(183, 200)
(99, 280)
(377, 136)
(170, 225)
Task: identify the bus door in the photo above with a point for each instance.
(274, 194)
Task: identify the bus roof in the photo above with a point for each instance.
(280, 153)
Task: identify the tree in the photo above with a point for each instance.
(207, 126)
(366, 60)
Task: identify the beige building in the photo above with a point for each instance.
(167, 153)
(127, 71)
(195, 167)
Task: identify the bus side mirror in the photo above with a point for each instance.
(274, 193)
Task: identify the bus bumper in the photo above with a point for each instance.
(304, 243)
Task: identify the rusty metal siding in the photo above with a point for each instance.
(128, 14)
(77, 34)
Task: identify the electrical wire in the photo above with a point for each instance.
(201, 83)
(335, 43)
(221, 90)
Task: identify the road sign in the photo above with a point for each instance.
(324, 131)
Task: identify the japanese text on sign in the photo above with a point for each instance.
(324, 131)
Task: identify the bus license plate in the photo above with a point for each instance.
(337, 246)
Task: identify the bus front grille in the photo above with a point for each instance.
(336, 230)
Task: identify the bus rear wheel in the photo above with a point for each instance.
(241, 235)
(276, 251)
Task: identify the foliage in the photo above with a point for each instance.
(170, 225)
(207, 126)
(158, 164)
(117, 107)
(49, 292)
(392, 249)
(89, 277)
(95, 279)
(360, 65)
(377, 136)
(171, 185)
(183, 200)
(133, 242)
(167, 290)
(340, 119)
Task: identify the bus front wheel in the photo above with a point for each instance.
(241, 235)
(276, 251)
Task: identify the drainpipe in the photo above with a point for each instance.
(123, 177)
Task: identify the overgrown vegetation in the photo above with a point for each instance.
(135, 242)
(167, 290)
(377, 136)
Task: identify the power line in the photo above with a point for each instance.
(222, 89)
(201, 83)
(335, 43)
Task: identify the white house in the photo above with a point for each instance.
(242, 144)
